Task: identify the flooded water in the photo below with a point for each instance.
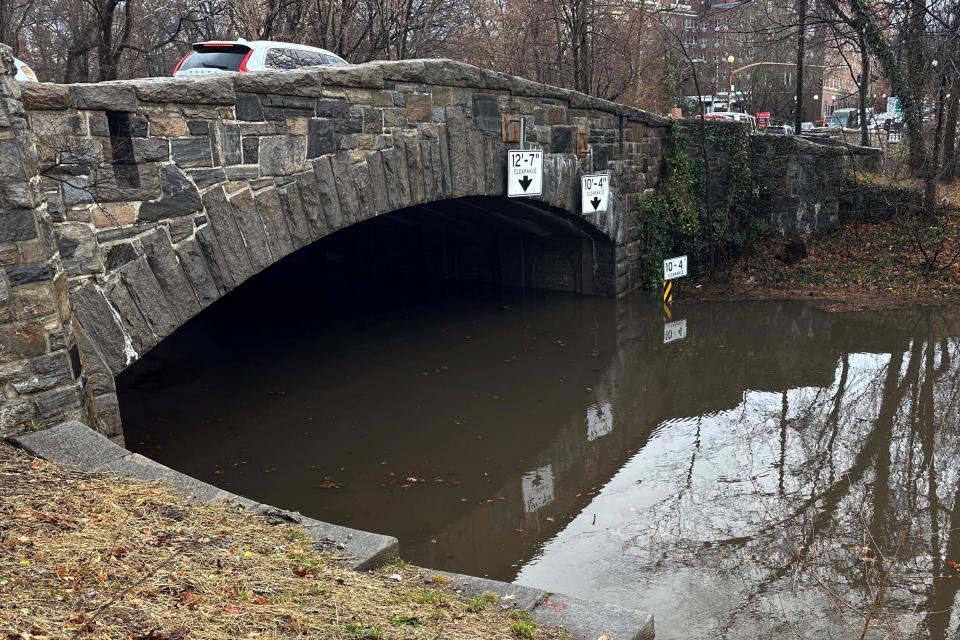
(779, 472)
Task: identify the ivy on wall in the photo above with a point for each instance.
(674, 220)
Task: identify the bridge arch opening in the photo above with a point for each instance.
(464, 249)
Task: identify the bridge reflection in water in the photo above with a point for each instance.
(747, 479)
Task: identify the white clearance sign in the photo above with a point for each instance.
(594, 193)
(675, 268)
(524, 173)
(673, 331)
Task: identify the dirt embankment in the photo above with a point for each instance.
(89, 556)
(860, 266)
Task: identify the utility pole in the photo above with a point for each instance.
(801, 44)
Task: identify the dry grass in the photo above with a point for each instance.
(86, 556)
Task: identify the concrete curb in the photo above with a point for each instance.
(74, 444)
(584, 620)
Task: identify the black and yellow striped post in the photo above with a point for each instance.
(667, 300)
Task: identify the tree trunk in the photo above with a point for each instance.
(863, 88)
(950, 133)
(801, 45)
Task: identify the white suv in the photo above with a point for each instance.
(242, 56)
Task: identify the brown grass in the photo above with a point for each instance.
(88, 556)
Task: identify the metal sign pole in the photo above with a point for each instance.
(523, 133)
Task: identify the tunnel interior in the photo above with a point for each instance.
(487, 239)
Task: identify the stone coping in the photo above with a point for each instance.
(221, 89)
(584, 620)
(74, 444)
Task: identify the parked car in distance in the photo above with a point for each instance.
(243, 56)
(24, 72)
(807, 126)
(842, 119)
(743, 118)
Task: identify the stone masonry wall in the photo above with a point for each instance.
(39, 364)
(165, 194)
(803, 184)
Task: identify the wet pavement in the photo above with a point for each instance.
(777, 471)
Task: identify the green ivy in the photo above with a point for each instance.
(673, 220)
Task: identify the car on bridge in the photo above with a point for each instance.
(244, 56)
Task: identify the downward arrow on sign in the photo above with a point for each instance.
(595, 202)
(525, 182)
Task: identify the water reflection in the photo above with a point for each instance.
(777, 472)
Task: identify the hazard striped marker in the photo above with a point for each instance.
(667, 291)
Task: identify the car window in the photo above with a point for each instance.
(224, 57)
(332, 59)
(286, 59)
(282, 59)
(311, 58)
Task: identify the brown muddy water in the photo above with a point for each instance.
(780, 472)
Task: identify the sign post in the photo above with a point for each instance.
(594, 193)
(524, 173)
(673, 268)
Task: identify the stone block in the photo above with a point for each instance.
(28, 273)
(364, 76)
(95, 316)
(591, 620)
(114, 214)
(151, 150)
(251, 150)
(225, 142)
(79, 252)
(197, 271)
(236, 266)
(292, 205)
(248, 107)
(274, 222)
(17, 226)
(150, 298)
(206, 90)
(168, 127)
(251, 228)
(44, 96)
(346, 188)
(366, 550)
(191, 152)
(282, 155)
(70, 444)
(119, 254)
(34, 300)
(158, 250)
(331, 107)
(288, 83)
(321, 139)
(486, 112)
(178, 197)
(105, 96)
(204, 178)
(22, 340)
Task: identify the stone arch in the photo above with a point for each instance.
(164, 195)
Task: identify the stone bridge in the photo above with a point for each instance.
(128, 207)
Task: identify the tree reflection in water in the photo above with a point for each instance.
(814, 512)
